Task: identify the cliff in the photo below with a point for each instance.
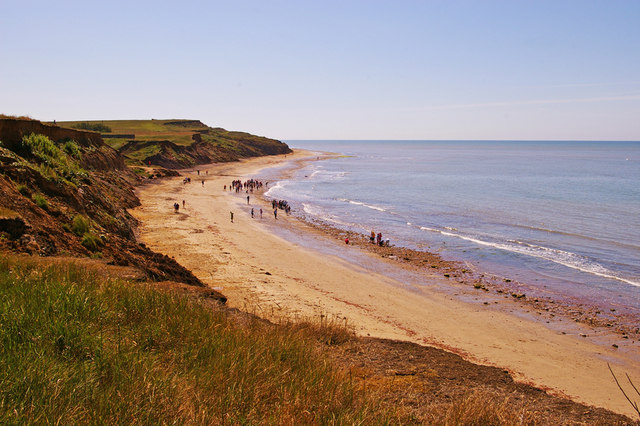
(177, 144)
(65, 192)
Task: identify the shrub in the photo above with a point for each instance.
(71, 148)
(23, 189)
(91, 242)
(40, 201)
(80, 225)
(40, 146)
(54, 161)
(95, 127)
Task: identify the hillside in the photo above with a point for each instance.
(178, 144)
(66, 193)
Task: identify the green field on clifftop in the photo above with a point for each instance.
(169, 142)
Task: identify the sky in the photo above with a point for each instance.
(349, 69)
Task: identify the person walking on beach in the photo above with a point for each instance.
(247, 199)
(372, 237)
(260, 212)
(183, 204)
(251, 212)
(231, 217)
(275, 213)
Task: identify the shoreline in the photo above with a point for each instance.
(256, 269)
(460, 272)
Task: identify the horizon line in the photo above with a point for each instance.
(464, 140)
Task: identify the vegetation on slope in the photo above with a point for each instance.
(53, 180)
(180, 143)
(77, 347)
(94, 127)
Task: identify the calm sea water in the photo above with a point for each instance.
(563, 217)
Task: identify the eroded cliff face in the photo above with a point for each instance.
(41, 206)
(12, 130)
(209, 146)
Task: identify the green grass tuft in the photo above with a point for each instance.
(40, 201)
(24, 190)
(80, 225)
(91, 241)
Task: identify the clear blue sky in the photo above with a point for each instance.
(361, 69)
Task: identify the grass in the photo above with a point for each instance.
(80, 347)
(80, 225)
(54, 161)
(147, 130)
(91, 241)
(94, 127)
(77, 347)
(40, 201)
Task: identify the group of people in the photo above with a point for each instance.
(377, 239)
(247, 186)
(282, 205)
(251, 184)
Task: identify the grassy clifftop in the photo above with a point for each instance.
(178, 143)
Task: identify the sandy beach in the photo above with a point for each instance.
(264, 272)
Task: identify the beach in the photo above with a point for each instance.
(285, 267)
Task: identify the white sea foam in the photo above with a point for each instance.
(561, 257)
(319, 213)
(273, 191)
(359, 203)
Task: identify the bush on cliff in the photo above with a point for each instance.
(80, 225)
(53, 160)
(94, 127)
(40, 201)
(91, 242)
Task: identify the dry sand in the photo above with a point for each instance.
(264, 273)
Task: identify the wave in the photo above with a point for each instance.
(561, 257)
(322, 215)
(277, 187)
(359, 203)
(573, 234)
(326, 175)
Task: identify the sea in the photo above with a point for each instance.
(563, 217)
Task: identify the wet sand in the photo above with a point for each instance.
(275, 267)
